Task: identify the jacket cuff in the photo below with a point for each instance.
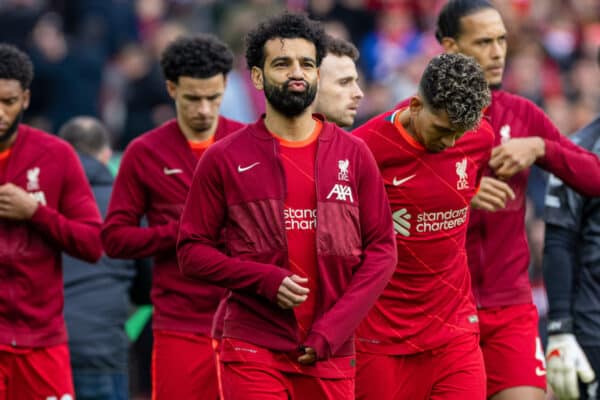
(273, 281)
(549, 151)
(319, 344)
(42, 215)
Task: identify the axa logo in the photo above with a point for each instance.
(33, 179)
(504, 134)
(342, 192)
(461, 171)
(343, 167)
(401, 220)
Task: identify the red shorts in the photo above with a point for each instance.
(255, 381)
(454, 371)
(36, 374)
(183, 367)
(511, 347)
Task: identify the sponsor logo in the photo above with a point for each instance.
(341, 192)
(401, 220)
(343, 173)
(461, 171)
(33, 179)
(504, 133)
(172, 171)
(398, 182)
(241, 169)
(299, 219)
(427, 222)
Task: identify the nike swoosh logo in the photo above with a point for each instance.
(244, 169)
(539, 371)
(401, 181)
(172, 171)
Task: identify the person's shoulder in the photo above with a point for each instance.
(154, 138)
(47, 141)
(382, 121)
(517, 104)
(230, 125)
(588, 137)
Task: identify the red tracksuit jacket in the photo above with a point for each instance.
(67, 219)
(153, 181)
(238, 196)
(497, 242)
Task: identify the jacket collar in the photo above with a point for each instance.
(260, 131)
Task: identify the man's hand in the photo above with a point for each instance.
(309, 356)
(16, 203)
(566, 361)
(516, 155)
(492, 195)
(290, 293)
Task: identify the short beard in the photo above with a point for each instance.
(496, 86)
(12, 129)
(290, 104)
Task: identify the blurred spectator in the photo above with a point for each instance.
(68, 73)
(393, 43)
(97, 299)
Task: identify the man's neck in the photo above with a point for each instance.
(405, 121)
(291, 129)
(196, 136)
(8, 144)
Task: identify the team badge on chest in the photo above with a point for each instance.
(461, 171)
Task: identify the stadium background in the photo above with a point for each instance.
(99, 57)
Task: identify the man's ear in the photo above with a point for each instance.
(26, 99)
(449, 44)
(257, 78)
(172, 89)
(415, 104)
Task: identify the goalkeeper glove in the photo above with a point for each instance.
(567, 361)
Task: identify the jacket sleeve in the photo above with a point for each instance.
(122, 235)
(75, 225)
(379, 259)
(577, 167)
(201, 223)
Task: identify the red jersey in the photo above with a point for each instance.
(67, 219)
(300, 214)
(428, 302)
(153, 181)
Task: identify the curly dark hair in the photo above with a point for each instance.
(200, 56)
(448, 23)
(340, 47)
(456, 84)
(15, 65)
(285, 26)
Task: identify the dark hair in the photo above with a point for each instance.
(15, 65)
(284, 26)
(87, 135)
(456, 84)
(448, 23)
(340, 47)
(200, 56)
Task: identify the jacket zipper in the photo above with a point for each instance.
(283, 197)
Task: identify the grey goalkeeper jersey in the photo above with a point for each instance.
(573, 258)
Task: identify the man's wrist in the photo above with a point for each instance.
(541, 148)
(559, 326)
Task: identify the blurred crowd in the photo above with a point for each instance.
(100, 58)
